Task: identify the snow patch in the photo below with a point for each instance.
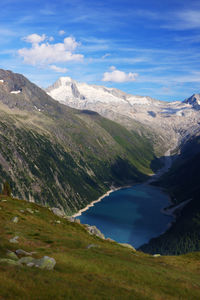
(15, 92)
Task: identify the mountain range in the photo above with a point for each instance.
(60, 156)
(172, 122)
(67, 151)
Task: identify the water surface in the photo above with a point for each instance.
(130, 215)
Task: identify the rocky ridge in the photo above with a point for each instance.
(172, 121)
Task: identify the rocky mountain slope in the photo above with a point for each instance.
(63, 157)
(172, 121)
(182, 183)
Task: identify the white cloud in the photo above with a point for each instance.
(61, 32)
(58, 69)
(48, 53)
(118, 76)
(105, 55)
(35, 38)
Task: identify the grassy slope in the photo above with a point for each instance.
(182, 182)
(108, 272)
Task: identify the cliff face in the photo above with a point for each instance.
(61, 156)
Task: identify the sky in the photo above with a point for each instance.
(145, 47)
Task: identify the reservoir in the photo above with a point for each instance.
(130, 215)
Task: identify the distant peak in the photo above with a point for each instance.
(65, 79)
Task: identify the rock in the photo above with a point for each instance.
(70, 219)
(92, 246)
(46, 262)
(58, 212)
(22, 252)
(127, 246)
(58, 221)
(14, 240)
(31, 264)
(9, 261)
(156, 255)
(12, 255)
(93, 230)
(77, 221)
(21, 210)
(37, 211)
(30, 210)
(26, 260)
(15, 220)
(110, 240)
(4, 200)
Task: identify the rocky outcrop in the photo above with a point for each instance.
(93, 230)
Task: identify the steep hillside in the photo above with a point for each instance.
(182, 182)
(62, 157)
(87, 267)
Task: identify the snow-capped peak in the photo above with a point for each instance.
(194, 100)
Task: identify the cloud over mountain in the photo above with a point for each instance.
(118, 76)
(43, 53)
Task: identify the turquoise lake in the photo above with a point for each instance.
(130, 215)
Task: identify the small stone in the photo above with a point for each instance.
(15, 220)
(58, 222)
(22, 252)
(92, 246)
(26, 260)
(127, 246)
(30, 210)
(12, 255)
(31, 264)
(4, 200)
(110, 240)
(156, 255)
(14, 240)
(21, 210)
(9, 261)
(37, 211)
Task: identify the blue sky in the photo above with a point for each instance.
(145, 47)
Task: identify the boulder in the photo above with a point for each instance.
(70, 219)
(22, 252)
(26, 260)
(9, 261)
(58, 212)
(15, 220)
(14, 240)
(110, 240)
(46, 262)
(127, 246)
(12, 255)
(92, 246)
(93, 230)
(156, 255)
(30, 210)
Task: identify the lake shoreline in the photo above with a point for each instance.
(114, 189)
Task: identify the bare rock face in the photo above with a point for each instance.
(172, 121)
